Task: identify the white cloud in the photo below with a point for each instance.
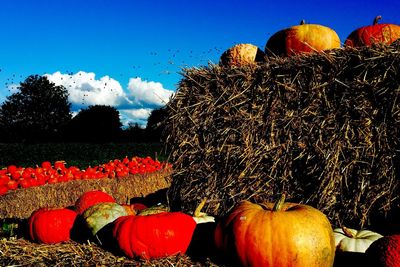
(85, 90)
(138, 116)
(141, 113)
(134, 103)
(148, 92)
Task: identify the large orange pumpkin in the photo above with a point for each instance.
(373, 34)
(284, 234)
(303, 38)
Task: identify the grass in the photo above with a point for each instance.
(75, 154)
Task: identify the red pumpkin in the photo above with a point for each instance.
(374, 34)
(154, 236)
(90, 198)
(286, 234)
(51, 226)
(303, 38)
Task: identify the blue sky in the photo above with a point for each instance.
(129, 53)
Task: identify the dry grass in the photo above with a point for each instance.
(24, 253)
(324, 128)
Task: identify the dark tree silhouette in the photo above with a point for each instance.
(134, 133)
(98, 124)
(37, 112)
(155, 124)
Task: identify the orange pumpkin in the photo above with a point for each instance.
(303, 38)
(373, 34)
(284, 234)
(242, 54)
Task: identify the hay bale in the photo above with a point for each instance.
(324, 128)
(22, 202)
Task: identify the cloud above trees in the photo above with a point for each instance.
(138, 116)
(144, 92)
(134, 102)
(84, 89)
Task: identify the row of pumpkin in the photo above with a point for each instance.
(306, 38)
(137, 230)
(266, 234)
(14, 177)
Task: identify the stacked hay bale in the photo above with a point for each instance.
(20, 204)
(323, 128)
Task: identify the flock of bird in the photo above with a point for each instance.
(169, 62)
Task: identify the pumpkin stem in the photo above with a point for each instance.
(199, 207)
(279, 204)
(377, 19)
(302, 22)
(347, 232)
(201, 217)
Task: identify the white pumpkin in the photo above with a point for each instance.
(351, 240)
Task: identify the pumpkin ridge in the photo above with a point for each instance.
(124, 235)
(136, 236)
(32, 230)
(124, 241)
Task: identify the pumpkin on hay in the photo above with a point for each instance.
(154, 236)
(303, 38)
(242, 54)
(281, 234)
(51, 226)
(385, 33)
(91, 198)
(351, 240)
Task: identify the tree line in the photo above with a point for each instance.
(40, 112)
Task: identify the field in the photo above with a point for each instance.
(81, 155)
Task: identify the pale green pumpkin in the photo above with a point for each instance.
(99, 215)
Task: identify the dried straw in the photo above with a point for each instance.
(21, 252)
(323, 128)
